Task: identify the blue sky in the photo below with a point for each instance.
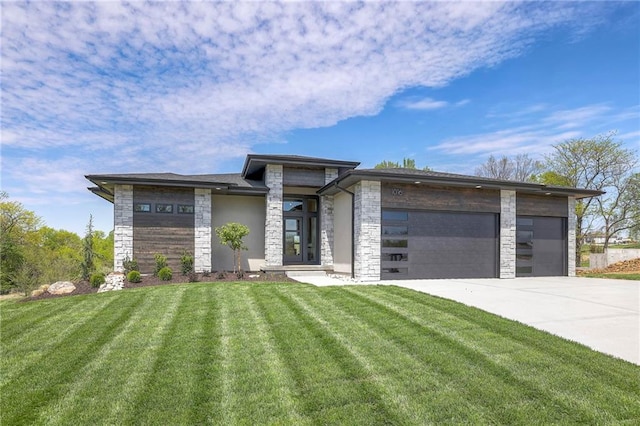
(111, 87)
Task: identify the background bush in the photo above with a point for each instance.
(165, 274)
(134, 277)
(97, 280)
(130, 265)
(186, 263)
(161, 262)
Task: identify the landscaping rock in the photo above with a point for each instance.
(61, 287)
(113, 281)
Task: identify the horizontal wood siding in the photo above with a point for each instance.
(298, 176)
(541, 205)
(167, 233)
(440, 198)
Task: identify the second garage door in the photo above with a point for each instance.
(428, 244)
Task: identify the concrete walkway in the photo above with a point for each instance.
(603, 314)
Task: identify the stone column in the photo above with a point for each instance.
(507, 234)
(367, 231)
(202, 230)
(273, 236)
(122, 225)
(326, 221)
(571, 237)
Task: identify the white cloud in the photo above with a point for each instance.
(425, 104)
(537, 136)
(111, 86)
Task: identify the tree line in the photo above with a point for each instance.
(32, 253)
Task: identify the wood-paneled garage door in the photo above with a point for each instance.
(430, 244)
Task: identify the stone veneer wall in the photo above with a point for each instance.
(507, 234)
(273, 244)
(571, 237)
(202, 231)
(326, 221)
(367, 230)
(123, 225)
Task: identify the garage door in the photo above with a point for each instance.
(541, 246)
(428, 244)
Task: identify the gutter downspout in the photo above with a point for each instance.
(353, 229)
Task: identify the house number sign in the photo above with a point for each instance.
(396, 192)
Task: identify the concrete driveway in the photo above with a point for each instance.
(600, 313)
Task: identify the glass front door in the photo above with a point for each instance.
(300, 230)
(293, 240)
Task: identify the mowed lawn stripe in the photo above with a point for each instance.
(253, 385)
(206, 394)
(557, 391)
(333, 385)
(37, 342)
(404, 361)
(41, 383)
(161, 392)
(116, 366)
(588, 372)
(282, 382)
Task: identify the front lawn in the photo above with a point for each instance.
(295, 354)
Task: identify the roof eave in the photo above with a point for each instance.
(353, 176)
(263, 160)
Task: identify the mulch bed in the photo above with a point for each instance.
(83, 287)
(626, 266)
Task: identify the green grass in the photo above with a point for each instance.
(613, 275)
(295, 354)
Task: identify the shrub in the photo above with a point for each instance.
(134, 277)
(165, 274)
(186, 263)
(161, 262)
(193, 277)
(96, 280)
(130, 265)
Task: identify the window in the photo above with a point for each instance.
(395, 243)
(395, 230)
(524, 270)
(395, 257)
(142, 207)
(524, 221)
(164, 208)
(185, 208)
(399, 271)
(292, 205)
(394, 215)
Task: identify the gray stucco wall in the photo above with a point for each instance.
(342, 233)
(249, 211)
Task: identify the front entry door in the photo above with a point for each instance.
(293, 240)
(300, 226)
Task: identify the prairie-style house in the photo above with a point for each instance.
(309, 213)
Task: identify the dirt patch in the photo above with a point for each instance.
(83, 287)
(626, 266)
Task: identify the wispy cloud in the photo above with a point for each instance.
(541, 131)
(111, 86)
(427, 104)
(423, 104)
